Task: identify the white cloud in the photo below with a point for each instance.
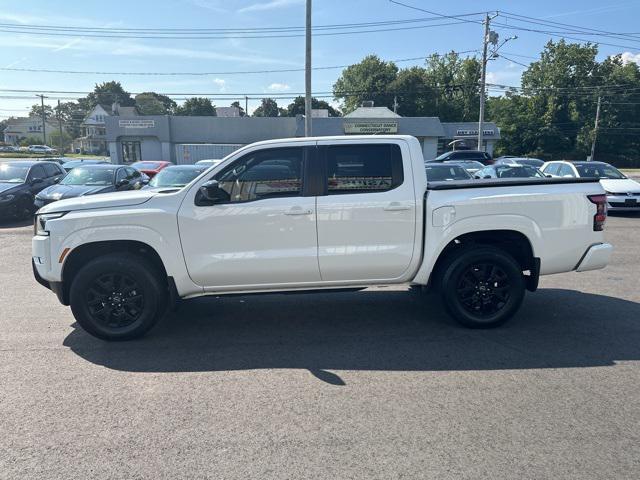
(220, 83)
(273, 4)
(628, 57)
(278, 87)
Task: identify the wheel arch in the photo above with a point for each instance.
(80, 255)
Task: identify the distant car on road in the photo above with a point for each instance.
(9, 148)
(623, 194)
(151, 168)
(82, 162)
(439, 172)
(512, 170)
(90, 180)
(176, 176)
(209, 162)
(532, 162)
(20, 181)
(470, 166)
(41, 149)
(482, 157)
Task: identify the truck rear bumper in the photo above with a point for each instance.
(596, 257)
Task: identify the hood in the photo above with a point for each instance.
(622, 185)
(105, 200)
(6, 187)
(60, 192)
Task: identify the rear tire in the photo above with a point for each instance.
(482, 287)
(118, 296)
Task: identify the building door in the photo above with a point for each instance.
(131, 152)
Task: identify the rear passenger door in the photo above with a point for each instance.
(366, 212)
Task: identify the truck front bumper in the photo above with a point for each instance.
(596, 257)
(55, 287)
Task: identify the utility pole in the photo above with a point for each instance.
(395, 104)
(60, 129)
(44, 127)
(246, 106)
(595, 131)
(307, 74)
(483, 79)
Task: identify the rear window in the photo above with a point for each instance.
(146, 165)
(446, 173)
(363, 168)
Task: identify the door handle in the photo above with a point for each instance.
(396, 207)
(298, 211)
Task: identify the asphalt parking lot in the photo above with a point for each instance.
(376, 384)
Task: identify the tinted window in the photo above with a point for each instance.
(89, 176)
(363, 168)
(121, 174)
(132, 173)
(264, 174)
(601, 170)
(51, 169)
(522, 171)
(37, 172)
(449, 172)
(566, 170)
(13, 173)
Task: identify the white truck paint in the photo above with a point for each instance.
(320, 241)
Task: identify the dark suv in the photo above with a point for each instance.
(482, 157)
(20, 181)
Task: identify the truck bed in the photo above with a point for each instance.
(504, 182)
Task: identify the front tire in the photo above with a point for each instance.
(482, 287)
(118, 296)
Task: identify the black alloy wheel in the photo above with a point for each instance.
(483, 289)
(115, 300)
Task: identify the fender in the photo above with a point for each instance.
(438, 238)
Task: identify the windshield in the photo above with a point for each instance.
(89, 176)
(467, 163)
(532, 162)
(444, 156)
(178, 177)
(13, 173)
(146, 165)
(599, 171)
(450, 172)
(520, 171)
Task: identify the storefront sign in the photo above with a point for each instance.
(137, 123)
(464, 133)
(370, 127)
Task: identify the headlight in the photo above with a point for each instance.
(40, 223)
(7, 198)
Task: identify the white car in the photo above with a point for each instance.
(623, 194)
(41, 149)
(308, 214)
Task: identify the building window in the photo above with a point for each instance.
(131, 152)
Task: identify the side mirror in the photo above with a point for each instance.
(212, 193)
(57, 179)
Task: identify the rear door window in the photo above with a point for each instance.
(363, 168)
(566, 170)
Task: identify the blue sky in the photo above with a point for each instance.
(224, 55)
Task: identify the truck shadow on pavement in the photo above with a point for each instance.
(373, 330)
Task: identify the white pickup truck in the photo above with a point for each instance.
(310, 214)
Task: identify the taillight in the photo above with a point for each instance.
(601, 211)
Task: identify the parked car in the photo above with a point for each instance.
(58, 160)
(623, 193)
(90, 180)
(209, 162)
(20, 181)
(532, 162)
(470, 166)
(150, 168)
(82, 162)
(176, 176)
(513, 170)
(41, 149)
(437, 172)
(276, 219)
(9, 149)
(477, 155)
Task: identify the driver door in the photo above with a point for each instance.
(264, 234)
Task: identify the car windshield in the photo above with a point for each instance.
(146, 165)
(442, 173)
(599, 171)
(89, 176)
(532, 162)
(13, 173)
(467, 163)
(444, 156)
(517, 171)
(175, 177)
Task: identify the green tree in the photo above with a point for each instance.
(237, 105)
(36, 111)
(197, 107)
(297, 107)
(151, 103)
(26, 141)
(72, 116)
(268, 108)
(62, 143)
(106, 93)
(368, 80)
